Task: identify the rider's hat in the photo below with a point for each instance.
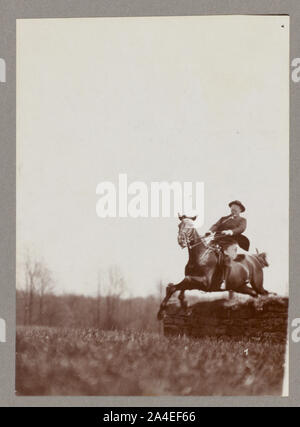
(237, 202)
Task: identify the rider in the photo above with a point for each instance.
(228, 231)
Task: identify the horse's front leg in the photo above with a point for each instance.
(181, 297)
(192, 282)
(169, 292)
(186, 283)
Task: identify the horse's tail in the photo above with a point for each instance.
(262, 258)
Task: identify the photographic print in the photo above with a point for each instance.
(152, 206)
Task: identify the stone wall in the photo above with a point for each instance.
(231, 314)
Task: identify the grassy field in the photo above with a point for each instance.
(91, 362)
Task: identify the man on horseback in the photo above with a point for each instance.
(228, 230)
(213, 258)
(228, 234)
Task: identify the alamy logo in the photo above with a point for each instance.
(296, 70)
(296, 330)
(159, 199)
(2, 330)
(2, 71)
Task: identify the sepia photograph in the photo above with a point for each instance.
(152, 206)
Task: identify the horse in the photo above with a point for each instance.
(205, 268)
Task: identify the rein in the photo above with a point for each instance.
(208, 248)
(200, 240)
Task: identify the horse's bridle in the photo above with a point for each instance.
(200, 240)
(192, 245)
(203, 240)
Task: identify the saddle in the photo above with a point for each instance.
(223, 262)
(223, 259)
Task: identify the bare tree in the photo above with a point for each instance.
(31, 273)
(115, 289)
(38, 282)
(160, 289)
(44, 286)
(116, 281)
(98, 299)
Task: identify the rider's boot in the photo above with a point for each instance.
(227, 268)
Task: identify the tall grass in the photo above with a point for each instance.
(91, 362)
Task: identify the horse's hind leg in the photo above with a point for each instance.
(257, 283)
(244, 289)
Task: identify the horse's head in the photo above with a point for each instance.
(186, 229)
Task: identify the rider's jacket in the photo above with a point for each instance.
(237, 224)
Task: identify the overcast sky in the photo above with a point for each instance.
(161, 99)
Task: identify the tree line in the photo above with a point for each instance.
(38, 304)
